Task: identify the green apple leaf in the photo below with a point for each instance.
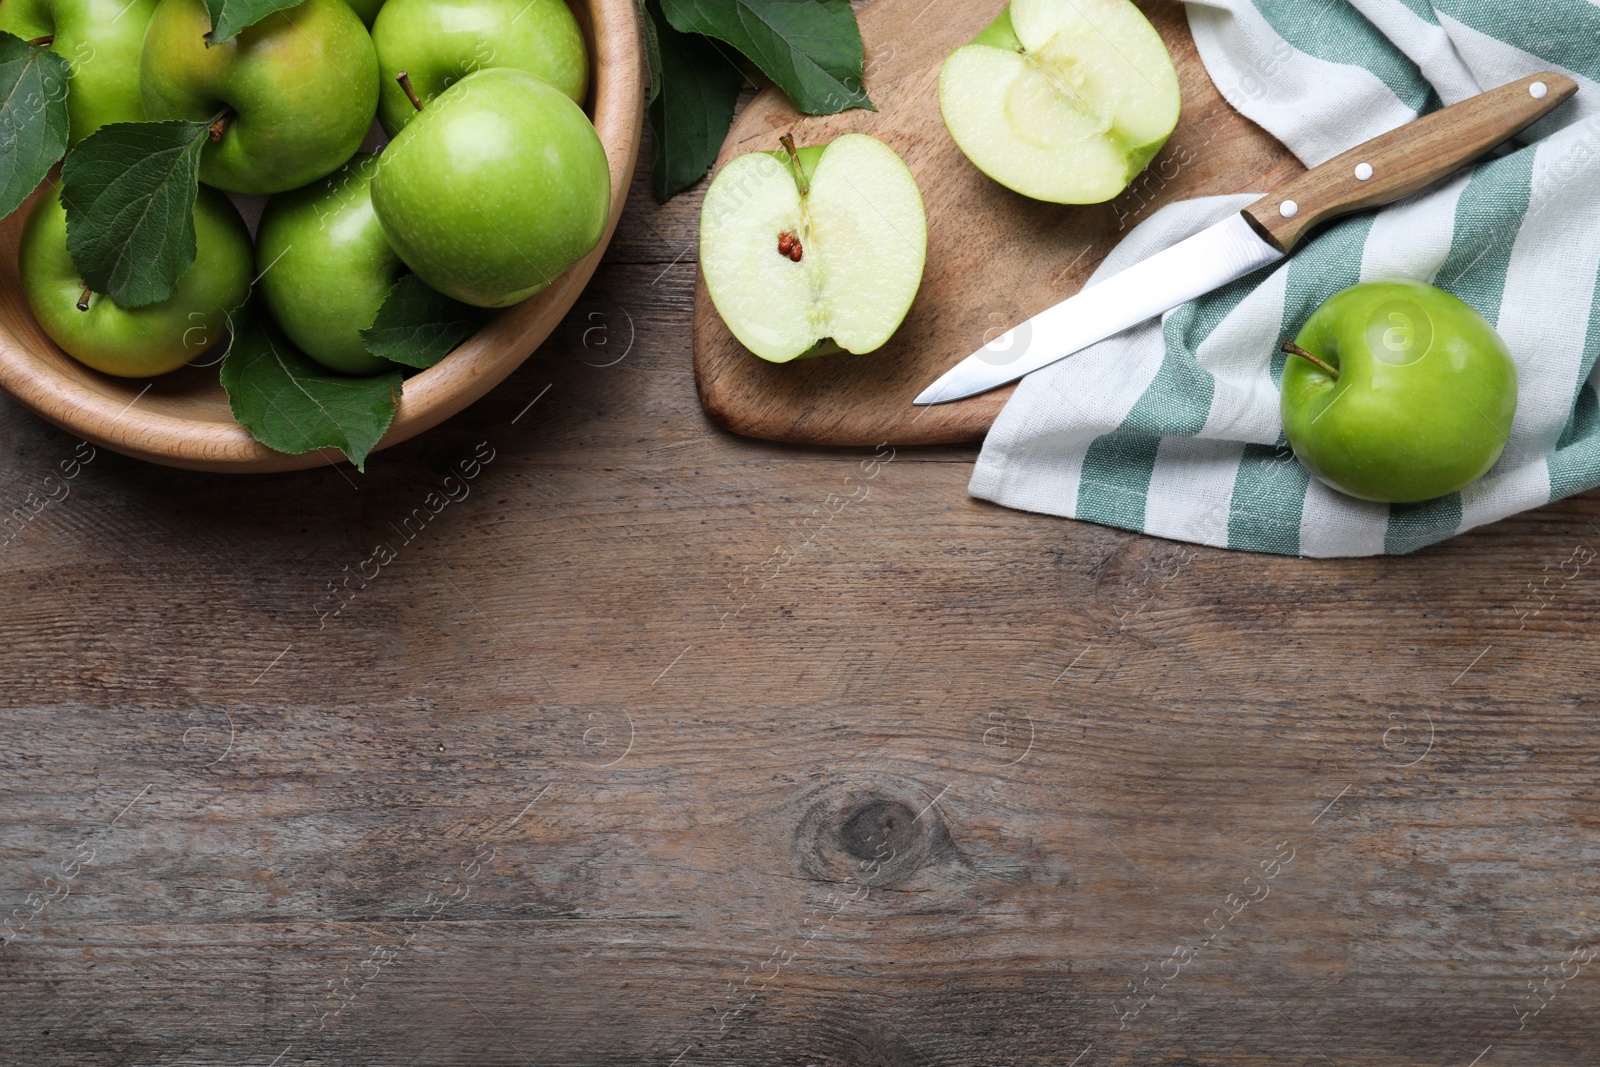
(290, 404)
(810, 48)
(418, 325)
(228, 17)
(129, 190)
(33, 117)
(693, 90)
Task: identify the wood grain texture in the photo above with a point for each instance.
(182, 419)
(592, 773)
(1410, 158)
(995, 257)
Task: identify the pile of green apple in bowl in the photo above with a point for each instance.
(363, 267)
(1393, 391)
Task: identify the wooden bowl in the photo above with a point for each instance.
(182, 419)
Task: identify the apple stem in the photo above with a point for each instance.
(219, 126)
(44, 42)
(787, 140)
(83, 298)
(1327, 368)
(411, 94)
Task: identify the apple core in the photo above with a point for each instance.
(1062, 100)
(851, 235)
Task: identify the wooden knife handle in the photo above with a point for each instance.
(1404, 160)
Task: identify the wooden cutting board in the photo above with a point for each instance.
(994, 258)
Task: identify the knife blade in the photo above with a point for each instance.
(1378, 172)
(1211, 258)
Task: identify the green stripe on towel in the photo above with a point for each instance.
(1115, 480)
(1335, 31)
(1566, 32)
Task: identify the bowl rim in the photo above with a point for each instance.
(89, 405)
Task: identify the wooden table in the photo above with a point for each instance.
(652, 745)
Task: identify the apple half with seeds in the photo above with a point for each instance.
(811, 251)
(1062, 100)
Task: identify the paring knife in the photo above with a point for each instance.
(1379, 172)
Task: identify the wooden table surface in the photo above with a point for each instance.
(644, 744)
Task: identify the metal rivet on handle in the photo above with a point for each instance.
(1363, 171)
(1539, 90)
(1288, 209)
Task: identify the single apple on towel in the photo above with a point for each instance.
(1398, 392)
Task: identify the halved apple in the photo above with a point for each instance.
(1062, 100)
(813, 250)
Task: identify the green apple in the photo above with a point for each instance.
(436, 43)
(325, 266)
(101, 40)
(367, 9)
(1398, 392)
(498, 186)
(298, 90)
(1062, 100)
(814, 250)
(146, 341)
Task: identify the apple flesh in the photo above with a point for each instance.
(815, 252)
(101, 41)
(494, 189)
(439, 42)
(1404, 393)
(1062, 100)
(146, 341)
(325, 266)
(298, 90)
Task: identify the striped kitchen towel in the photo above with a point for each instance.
(1172, 428)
